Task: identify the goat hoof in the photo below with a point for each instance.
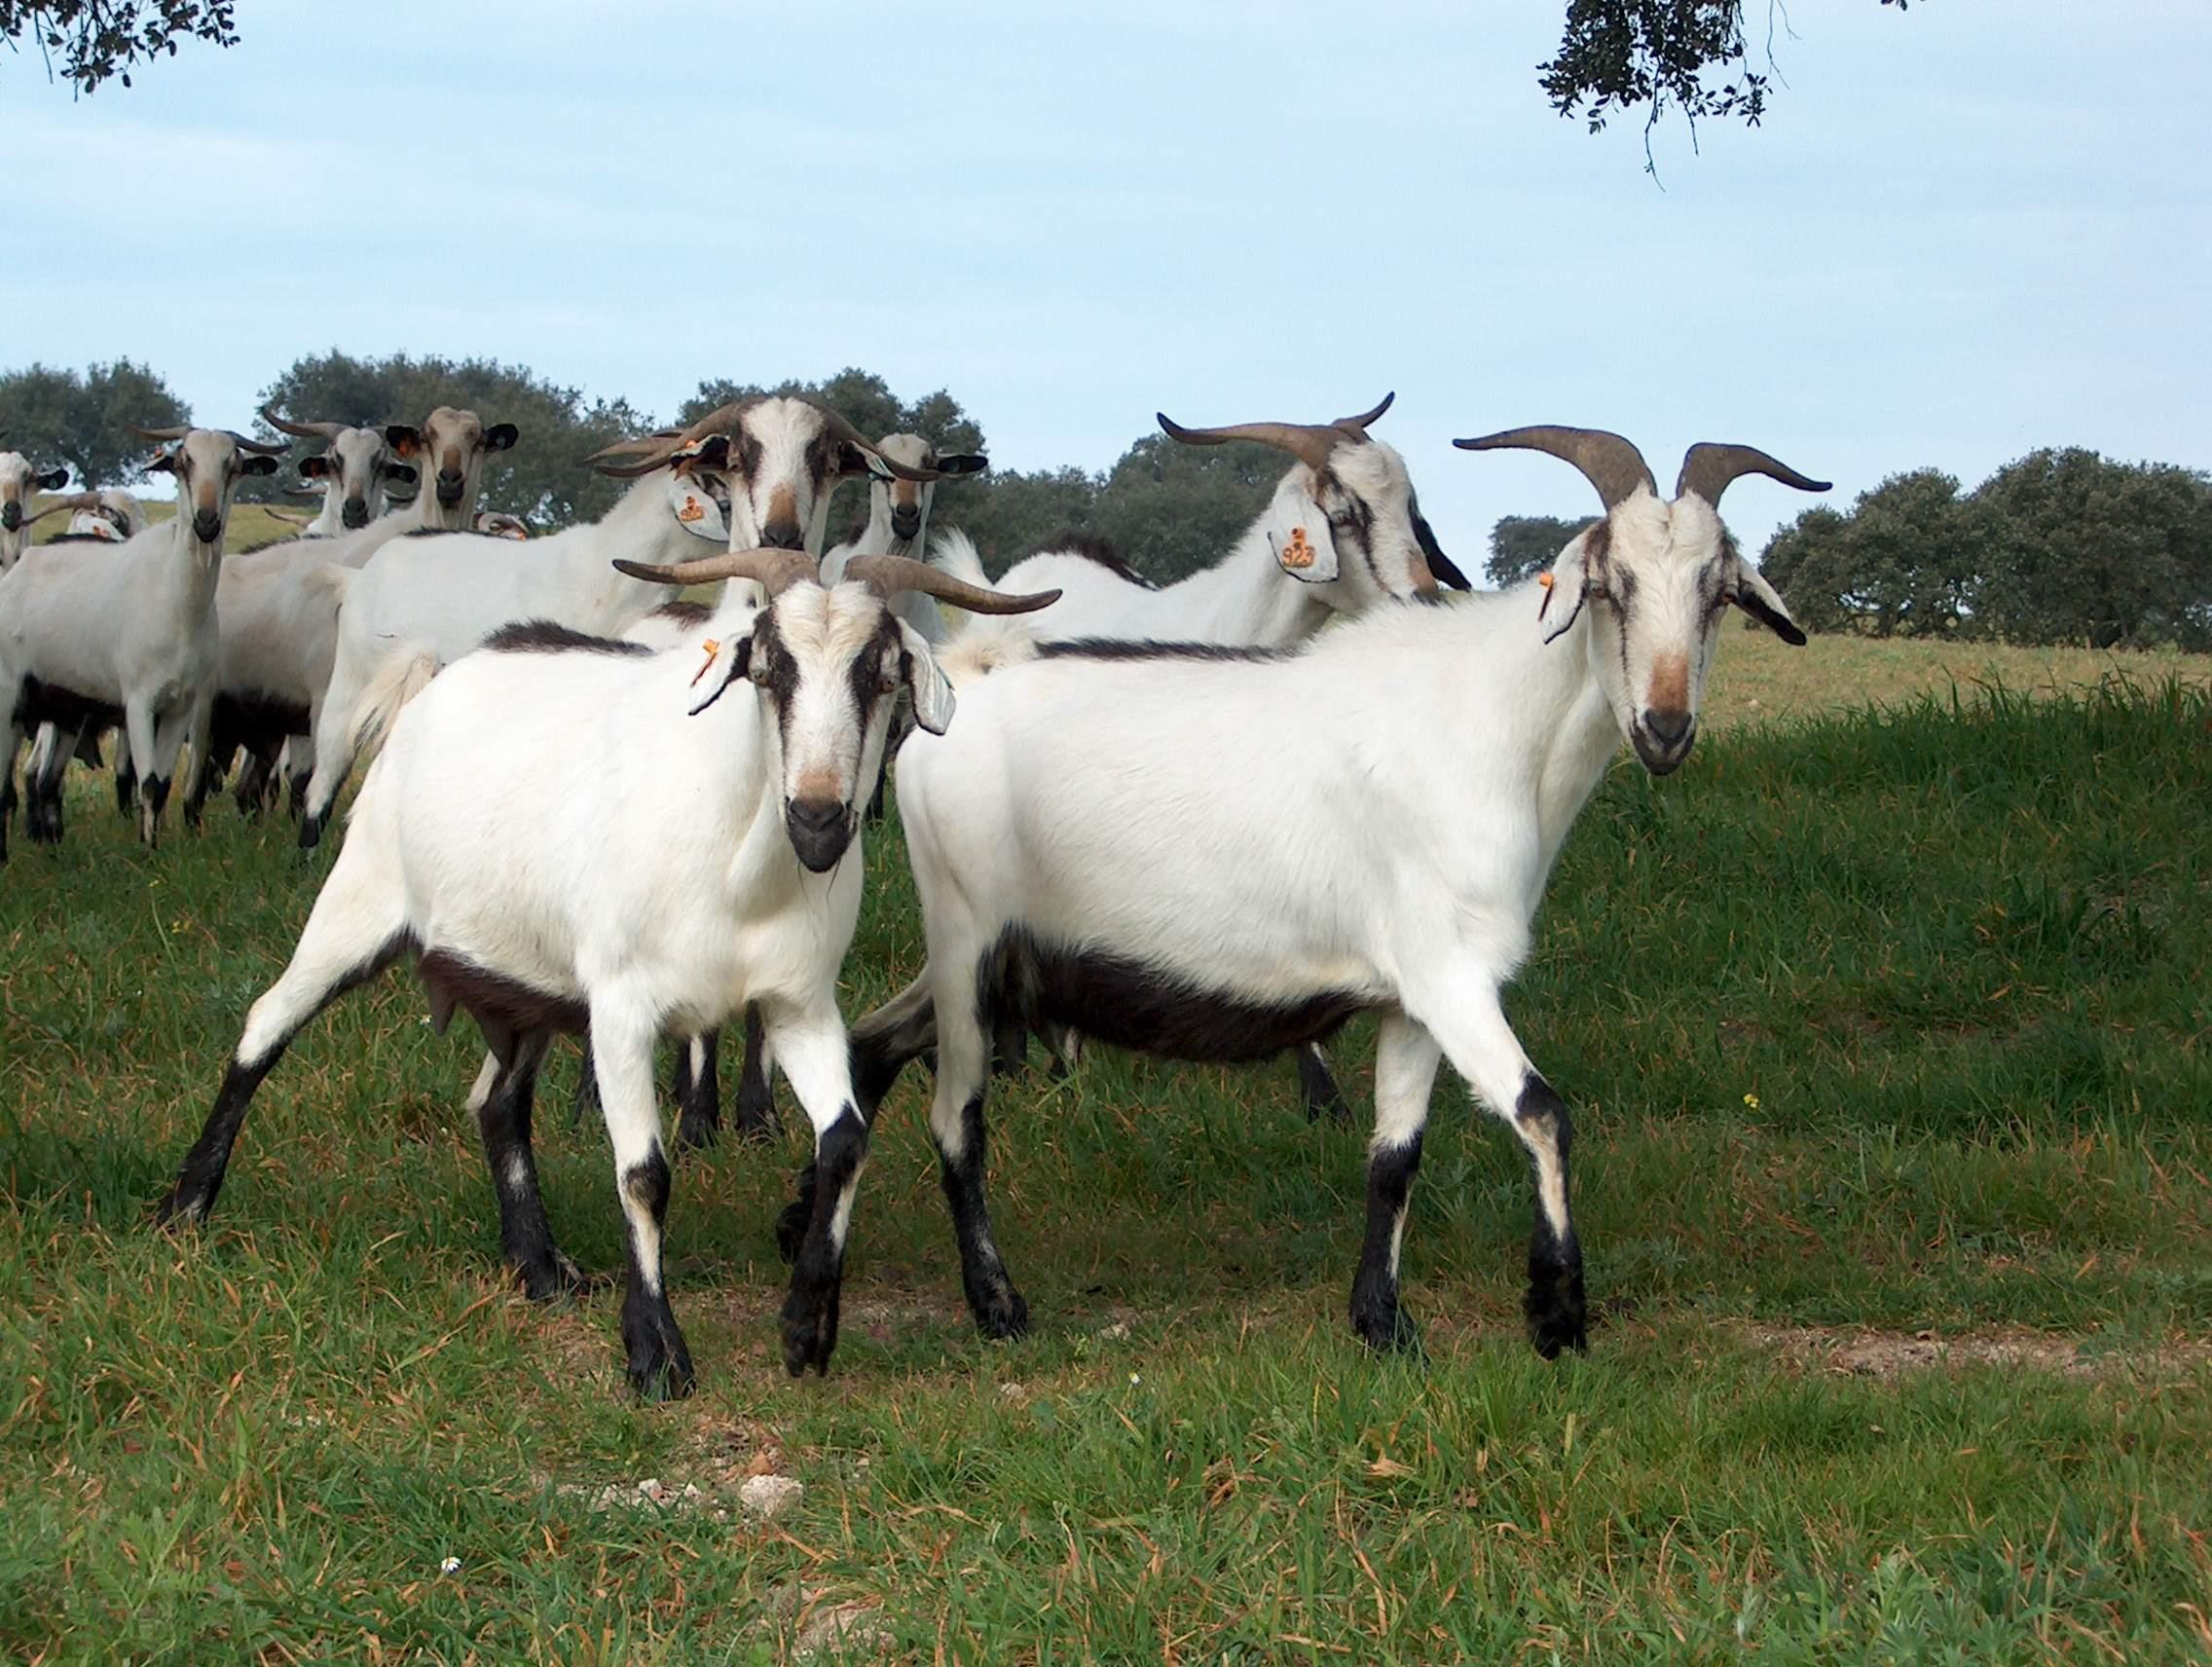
(310, 832)
(1386, 1327)
(1557, 1318)
(810, 1325)
(1004, 1319)
(659, 1361)
(552, 1279)
(698, 1133)
(180, 1208)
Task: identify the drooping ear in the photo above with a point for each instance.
(314, 469)
(1446, 570)
(260, 462)
(736, 665)
(55, 479)
(963, 463)
(933, 694)
(851, 461)
(404, 438)
(163, 462)
(1298, 533)
(1764, 602)
(500, 436)
(401, 471)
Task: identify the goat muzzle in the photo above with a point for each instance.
(450, 484)
(207, 526)
(355, 512)
(906, 520)
(1663, 737)
(11, 515)
(820, 829)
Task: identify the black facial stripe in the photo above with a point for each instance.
(782, 680)
(749, 453)
(866, 669)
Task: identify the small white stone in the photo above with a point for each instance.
(769, 1497)
(450, 1565)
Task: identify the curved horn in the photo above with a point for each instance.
(262, 446)
(1360, 423)
(1309, 445)
(291, 517)
(888, 576)
(655, 448)
(774, 570)
(176, 434)
(1707, 468)
(1609, 463)
(304, 430)
(841, 429)
(303, 491)
(63, 506)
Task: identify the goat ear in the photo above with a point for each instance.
(739, 668)
(1764, 602)
(313, 468)
(933, 694)
(401, 471)
(163, 462)
(963, 463)
(500, 436)
(1300, 538)
(1446, 570)
(404, 438)
(259, 464)
(851, 460)
(55, 479)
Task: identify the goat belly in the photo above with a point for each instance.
(1123, 1001)
(492, 998)
(39, 703)
(258, 718)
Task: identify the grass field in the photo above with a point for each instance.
(1887, 1049)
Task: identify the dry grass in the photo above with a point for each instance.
(1757, 678)
(251, 524)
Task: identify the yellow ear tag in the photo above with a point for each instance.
(713, 649)
(1544, 579)
(1298, 553)
(692, 511)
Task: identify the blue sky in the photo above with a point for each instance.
(1953, 240)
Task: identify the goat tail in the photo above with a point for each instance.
(391, 687)
(955, 553)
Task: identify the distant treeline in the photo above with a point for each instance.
(2062, 546)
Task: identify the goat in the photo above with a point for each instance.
(898, 518)
(353, 470)
(1343, 531)
(680, 870)
(19, 479)
(278, 603)
(1216, 854)
(97, 633)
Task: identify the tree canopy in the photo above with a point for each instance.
(83, 418)
(1520, 547)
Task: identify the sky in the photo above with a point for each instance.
(1953, 240)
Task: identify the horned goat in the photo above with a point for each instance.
(1215, 854)
(707, 856)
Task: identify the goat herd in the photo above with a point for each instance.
(1188, 821)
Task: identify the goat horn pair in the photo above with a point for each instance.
(774, 570)
(654, 450)
(178, 432)
(1608, 462)
(889, 575)
(1311, 443)
(1707, 468)
(304, 430)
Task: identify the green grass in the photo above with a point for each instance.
(1881, 1023)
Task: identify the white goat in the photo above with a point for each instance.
(1343, 531)
(20, 480)
(354, 470)
(697, 863)
(1215, 856)
(898, 518)
(278, 603)
(100, 632)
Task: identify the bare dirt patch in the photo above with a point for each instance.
(1891, 1354)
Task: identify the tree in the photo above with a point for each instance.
(95, 40)
(1625, 54)
(1520, 547)
(541, 478)
(84, 418)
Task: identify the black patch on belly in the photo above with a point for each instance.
(82, 539)
(685, 613)
(1131, 1005)
(453, 981)
(544, 637)
(254, 717)
(451, 532)
(1147, 648)
(66, 708)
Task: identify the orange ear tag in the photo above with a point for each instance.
(712, 648)
(692, 511)
(1298, 553)
(1544, 579)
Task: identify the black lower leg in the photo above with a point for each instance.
(155, 791)
(818, 1273)
(584, 1105)
(1377, 1318)
(699, 1090)
(1554, 1305)
(659, 1361)
(1317, 1087)
(1010, 1043)
(202, 1177)
(755, 1092)
(125, 786)
(998, 1308)
(526, 1238)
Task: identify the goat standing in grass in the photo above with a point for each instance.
(1214, 856)
(104, 633)
(699, 852)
